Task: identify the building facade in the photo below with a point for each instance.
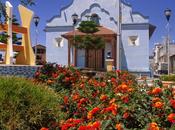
(135, 32)
(40, 54)
(161, 58)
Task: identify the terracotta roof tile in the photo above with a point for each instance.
(102, 31)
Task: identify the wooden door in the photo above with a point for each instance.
(95, 59)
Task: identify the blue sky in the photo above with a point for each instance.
(45, 9)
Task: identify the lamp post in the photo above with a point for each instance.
(167, 13)
(74, 19)
(36, 20)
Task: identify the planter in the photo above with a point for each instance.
(168, 83)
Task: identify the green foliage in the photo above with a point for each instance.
(88, 27)
(24, 105)
(3, 37)
(168, 78)
(89, 41)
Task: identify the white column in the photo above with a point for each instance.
(119, 20)
(9, 11)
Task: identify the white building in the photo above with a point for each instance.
(135, 34)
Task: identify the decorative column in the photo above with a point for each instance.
(9, 50)
(69, 48)
(75, 56)
(27, 57)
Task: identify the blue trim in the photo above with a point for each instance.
(59, 15)
(102, 10)
(145, 17)
(127, 4)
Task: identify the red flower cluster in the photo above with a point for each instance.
(171, 118)
(70, 123)
(112, 108)
(92, 112)
(156, 91)
(172, 102)
(94, 126)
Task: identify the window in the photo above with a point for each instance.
(59, 42)
(133, 40)
(95, 18)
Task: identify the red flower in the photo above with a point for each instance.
(113, 79)
(54, 75)
(125, 99)
(125, 115)
(112, 108)
(66, 98)
(103, 97)
(92, 112)
(156, 91)
(96, 125)
(172, 102)
(103, 84)
(171, 118)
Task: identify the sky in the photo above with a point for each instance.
(45, 9)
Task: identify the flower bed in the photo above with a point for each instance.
(114, 101)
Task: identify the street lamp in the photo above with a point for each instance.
(167, 13)
(74, 19)
(36, 20)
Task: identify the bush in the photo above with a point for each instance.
(168, 78)
(57, 77)
(24, 105)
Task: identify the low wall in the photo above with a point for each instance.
(18, 70)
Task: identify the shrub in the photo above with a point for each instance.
(24, 105)
(168, 78)
(57, 77)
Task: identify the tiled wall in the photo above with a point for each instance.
(20, 71)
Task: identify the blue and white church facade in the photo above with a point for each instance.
(122, 29)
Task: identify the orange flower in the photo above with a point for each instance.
(95, 126)
(156, 91)
(103, 97)
(92, 112)
(43, 128)
(171, 118)
(112, 101)
(49, 81)
(153, 126)
(119, 127)
(156, 99)
(158, 105)
(75, 97)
